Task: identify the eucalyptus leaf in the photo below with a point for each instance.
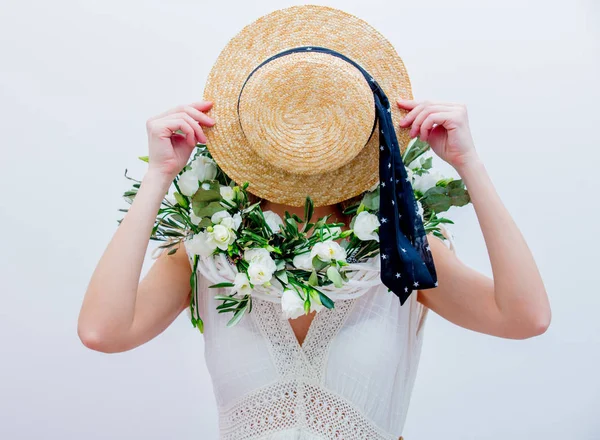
(417, 148)
(208, 195)
(210, 209)
(427, 163)
(282, 276)
(371, 200)
(313, 280)
(205, 222)
(318, 264)
(334, 276)
(440, 199)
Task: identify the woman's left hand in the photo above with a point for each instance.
(444, 126)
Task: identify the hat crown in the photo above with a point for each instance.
(307, 112)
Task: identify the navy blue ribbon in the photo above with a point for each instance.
(406, 260)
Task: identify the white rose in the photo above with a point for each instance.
(259, 272)
(291, 304)
(365, 224)
(204, 168)
(200, 244)
(259, 255)
(227, 193)
(273, 220)
(261, 267)
(328, 250)
(222, 218)
(426, 181)
(222, 236)
(241, 284)
(303, 261)
(188, 183)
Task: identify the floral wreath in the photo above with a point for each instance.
(298, 257)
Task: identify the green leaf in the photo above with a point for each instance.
(325, 300)
(208, 195)
(334, 276)
(371, 200)
(282, 276)
(441, 198)
(209, 210)
(308, 209)
(427, 163)
(205, 222)
(417, 148)
(221, 285)
(313, 280)
(319, 264)
(144, 158)
(237, 316)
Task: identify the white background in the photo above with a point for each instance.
(80, 78)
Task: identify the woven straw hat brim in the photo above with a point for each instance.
(306, 25)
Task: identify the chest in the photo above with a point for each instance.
(301, 325)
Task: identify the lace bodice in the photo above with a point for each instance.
(351, 378)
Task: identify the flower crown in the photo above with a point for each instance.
(297, 257)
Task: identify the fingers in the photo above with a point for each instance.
(418, 114)
(411, 103)
(200, 136)
(420, 111)
(195, 110)
(203, 106)
(181, 124)
(432, 119)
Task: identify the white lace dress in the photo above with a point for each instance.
(351, 378)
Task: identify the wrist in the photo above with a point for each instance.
(156, 178)
(467, 163)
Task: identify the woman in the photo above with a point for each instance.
(119, 313)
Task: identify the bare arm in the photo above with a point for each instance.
(514, 304)
(120, 312)
(117, 314)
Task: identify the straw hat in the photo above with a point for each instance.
(306, 122)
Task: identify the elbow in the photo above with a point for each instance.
(535, 325)
(97, 340)
(91, 340)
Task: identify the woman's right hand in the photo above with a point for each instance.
(169, 152)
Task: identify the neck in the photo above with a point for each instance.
(318, 212)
